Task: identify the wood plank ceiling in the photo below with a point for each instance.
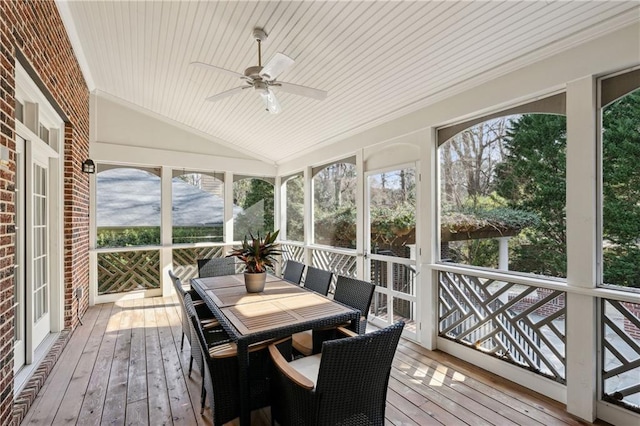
(377, 59)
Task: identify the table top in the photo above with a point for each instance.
(281, 312)
(281, 304)
(211, 283)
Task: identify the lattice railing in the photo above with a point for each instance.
(621, 353)
(185, 263)
(338, 263)
(125, 271)
(520, 324)
(292, 252)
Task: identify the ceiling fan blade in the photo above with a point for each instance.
(279, 63)
(309, 92)
(227, 93)
(218, 69)
(270, 101)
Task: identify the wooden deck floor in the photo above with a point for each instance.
(124, 366)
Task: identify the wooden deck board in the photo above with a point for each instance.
(66, 378)
(125, 366)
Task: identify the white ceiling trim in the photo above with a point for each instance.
(72, 33)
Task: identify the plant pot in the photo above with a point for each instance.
(254, 281)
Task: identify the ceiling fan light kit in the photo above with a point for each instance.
(263, 79)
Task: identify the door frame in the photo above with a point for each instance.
(387, 291)
(35, 147)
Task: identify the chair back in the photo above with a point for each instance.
(355, 293)
(177, 284)
(354, 376)
(293, 271)
(318, 280)
(216, 267)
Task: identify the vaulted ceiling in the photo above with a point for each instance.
(377, 59)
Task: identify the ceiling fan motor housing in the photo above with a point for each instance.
(253, 72)
(260, 86)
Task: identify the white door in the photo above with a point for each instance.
(32, 277)
(18, 270)
(390, 246)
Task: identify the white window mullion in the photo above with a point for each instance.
(166, 230)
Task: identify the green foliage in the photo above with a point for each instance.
(480, 252)
(127, 237)
(336, 228)
(258, 253)
(255, 196)
(150, 236)
(392, 227)
(532, 179)
(295, 209)
(621, 191)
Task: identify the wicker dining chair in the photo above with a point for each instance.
(199, 305)
(216, 267)
(319, 281)
(357, 294)
(208, 320)
(345, 384)
(220, 373)
(349, 291)
(293, 271)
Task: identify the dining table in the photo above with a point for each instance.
(282, 309)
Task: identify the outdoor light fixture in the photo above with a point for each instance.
(89, 166)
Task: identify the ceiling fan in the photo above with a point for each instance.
(263, 79)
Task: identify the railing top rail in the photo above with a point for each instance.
(157, 247)
(549, 283)
(350, 252)
(393, 259)
(292, 243)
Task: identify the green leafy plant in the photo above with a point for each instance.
(258, 253)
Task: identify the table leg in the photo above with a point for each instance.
(243, 377)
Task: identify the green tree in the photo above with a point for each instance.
(532, 178)
(257, 203)
(295, 208)
(621, 191)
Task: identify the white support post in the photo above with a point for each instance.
(428, 240)
(280, 200)
(166, 230)
(308, 214)
(360, 206)
(278, 212)
(228, 209)
(581, 325)
(503, 253)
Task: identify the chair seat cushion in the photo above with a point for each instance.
(303, 342)
(308, 366)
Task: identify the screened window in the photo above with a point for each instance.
(334, 205)
(253, 204)
(503, 194)
(198, 208)
(294, 190)
(621, 180)
(128, 207)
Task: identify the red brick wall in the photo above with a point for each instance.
(35, 29)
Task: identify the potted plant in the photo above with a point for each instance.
(257, 254)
